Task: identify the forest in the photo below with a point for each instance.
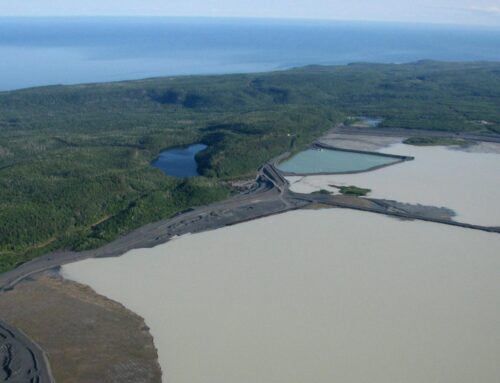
(75, 160)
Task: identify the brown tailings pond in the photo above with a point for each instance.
(315, 296)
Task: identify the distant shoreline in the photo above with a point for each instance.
(160, 47)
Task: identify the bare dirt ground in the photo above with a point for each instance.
(374, 139)
(481, 147)
(87, 337)
(363, 142)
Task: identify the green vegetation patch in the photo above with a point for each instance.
(322, 191)
(354, 190)
(436, 141)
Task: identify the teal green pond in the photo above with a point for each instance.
(315, 161)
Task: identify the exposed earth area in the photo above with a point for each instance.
(87, 337)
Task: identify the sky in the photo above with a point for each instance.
(474, 12)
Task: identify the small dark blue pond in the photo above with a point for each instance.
(179, 162)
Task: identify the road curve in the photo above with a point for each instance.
(263, 200)
(21, 359)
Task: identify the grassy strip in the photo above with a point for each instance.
(436, 141)
(354, 190)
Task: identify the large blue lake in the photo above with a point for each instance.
(41, 51)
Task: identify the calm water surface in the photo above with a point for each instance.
(438, 176)
(321, 296)
(41, 51)
(179, 162)
(313, 161)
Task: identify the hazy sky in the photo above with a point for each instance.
(483, 12)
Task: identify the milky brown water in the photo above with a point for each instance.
(468, 183)
(316, 296)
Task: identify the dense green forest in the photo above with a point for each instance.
(75, 160)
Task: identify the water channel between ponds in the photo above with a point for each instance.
(319, 160)
(179, 162)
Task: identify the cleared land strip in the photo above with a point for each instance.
(470, 136)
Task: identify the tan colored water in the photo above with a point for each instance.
(468, 183)
(316, 296)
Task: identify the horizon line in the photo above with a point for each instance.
(255, 18)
